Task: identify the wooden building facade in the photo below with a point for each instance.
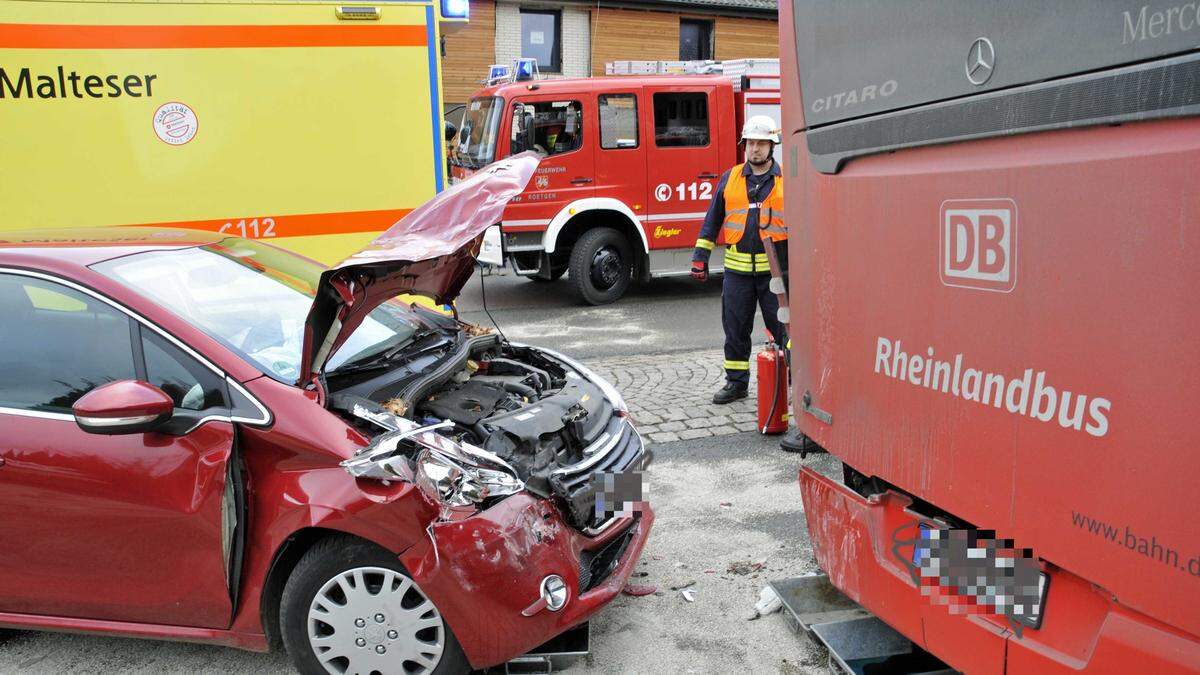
(572, 39)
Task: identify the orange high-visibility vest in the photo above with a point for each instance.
(737, 206)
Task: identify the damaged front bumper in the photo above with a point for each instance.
(1084, 630)
(486, 571)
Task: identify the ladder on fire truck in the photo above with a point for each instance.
(758, 79)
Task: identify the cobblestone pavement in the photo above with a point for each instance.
(670, 396)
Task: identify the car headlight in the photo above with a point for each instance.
(454, 475)
(456, 483)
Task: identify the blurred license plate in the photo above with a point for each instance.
(994, 578)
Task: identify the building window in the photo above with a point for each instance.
(541, 39)
(618, 121)
(680, 120)
(695, 40)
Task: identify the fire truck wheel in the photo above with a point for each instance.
(601, 266)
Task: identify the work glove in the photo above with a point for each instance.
(700, 270)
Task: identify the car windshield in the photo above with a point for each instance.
(478, 133)
(253, 299)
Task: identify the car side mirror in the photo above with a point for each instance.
(122, 407)
(516, 141)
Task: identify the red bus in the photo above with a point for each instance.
(994, 228)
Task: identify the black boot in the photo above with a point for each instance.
(731, 392)
(794, 441)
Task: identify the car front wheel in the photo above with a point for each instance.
(350, 607)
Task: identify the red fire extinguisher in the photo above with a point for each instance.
(772, 390)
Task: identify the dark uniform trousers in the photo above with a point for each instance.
(739, 295)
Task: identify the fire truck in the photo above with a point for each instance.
(993, 275)
(631, 162)
(313, 125)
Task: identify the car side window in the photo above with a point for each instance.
(57, 344)
(618, 121)
(681, 119)
(190, 384)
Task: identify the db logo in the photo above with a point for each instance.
(978, 244)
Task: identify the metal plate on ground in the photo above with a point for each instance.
(811, 600)
(558, 653)
(868, 646)
(858, 642)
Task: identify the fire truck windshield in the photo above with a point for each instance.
(478, 134)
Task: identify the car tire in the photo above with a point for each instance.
(403, 622)
(601, 266)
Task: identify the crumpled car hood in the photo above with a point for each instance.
(430, 252)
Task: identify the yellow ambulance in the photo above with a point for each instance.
(311, 125)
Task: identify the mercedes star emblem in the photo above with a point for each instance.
(981, 61)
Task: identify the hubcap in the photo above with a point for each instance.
(372, 619)
(606, 268)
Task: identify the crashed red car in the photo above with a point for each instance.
(208, 439)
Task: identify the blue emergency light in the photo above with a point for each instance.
(456, 9)
(497, 72)
(525, 69)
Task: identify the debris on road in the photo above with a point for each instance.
(726, 505)
(688, 594)
(744, 567)
(637, 590)
(680, 585)
(768, 603)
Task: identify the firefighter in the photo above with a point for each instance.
(748, 208)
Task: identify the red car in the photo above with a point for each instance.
(208, 439)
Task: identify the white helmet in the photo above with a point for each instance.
(762, 128)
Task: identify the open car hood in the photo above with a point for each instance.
(430, 252)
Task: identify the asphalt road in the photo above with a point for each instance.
(674, 314)
(719, 500)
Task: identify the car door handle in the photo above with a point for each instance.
(580, 181)
(706, 175)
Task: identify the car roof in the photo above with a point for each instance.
(88, 245)
(598, 84)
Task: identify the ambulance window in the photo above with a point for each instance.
(618, 121)
(680, 120)
(557, 127)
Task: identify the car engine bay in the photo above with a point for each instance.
(495, 407)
